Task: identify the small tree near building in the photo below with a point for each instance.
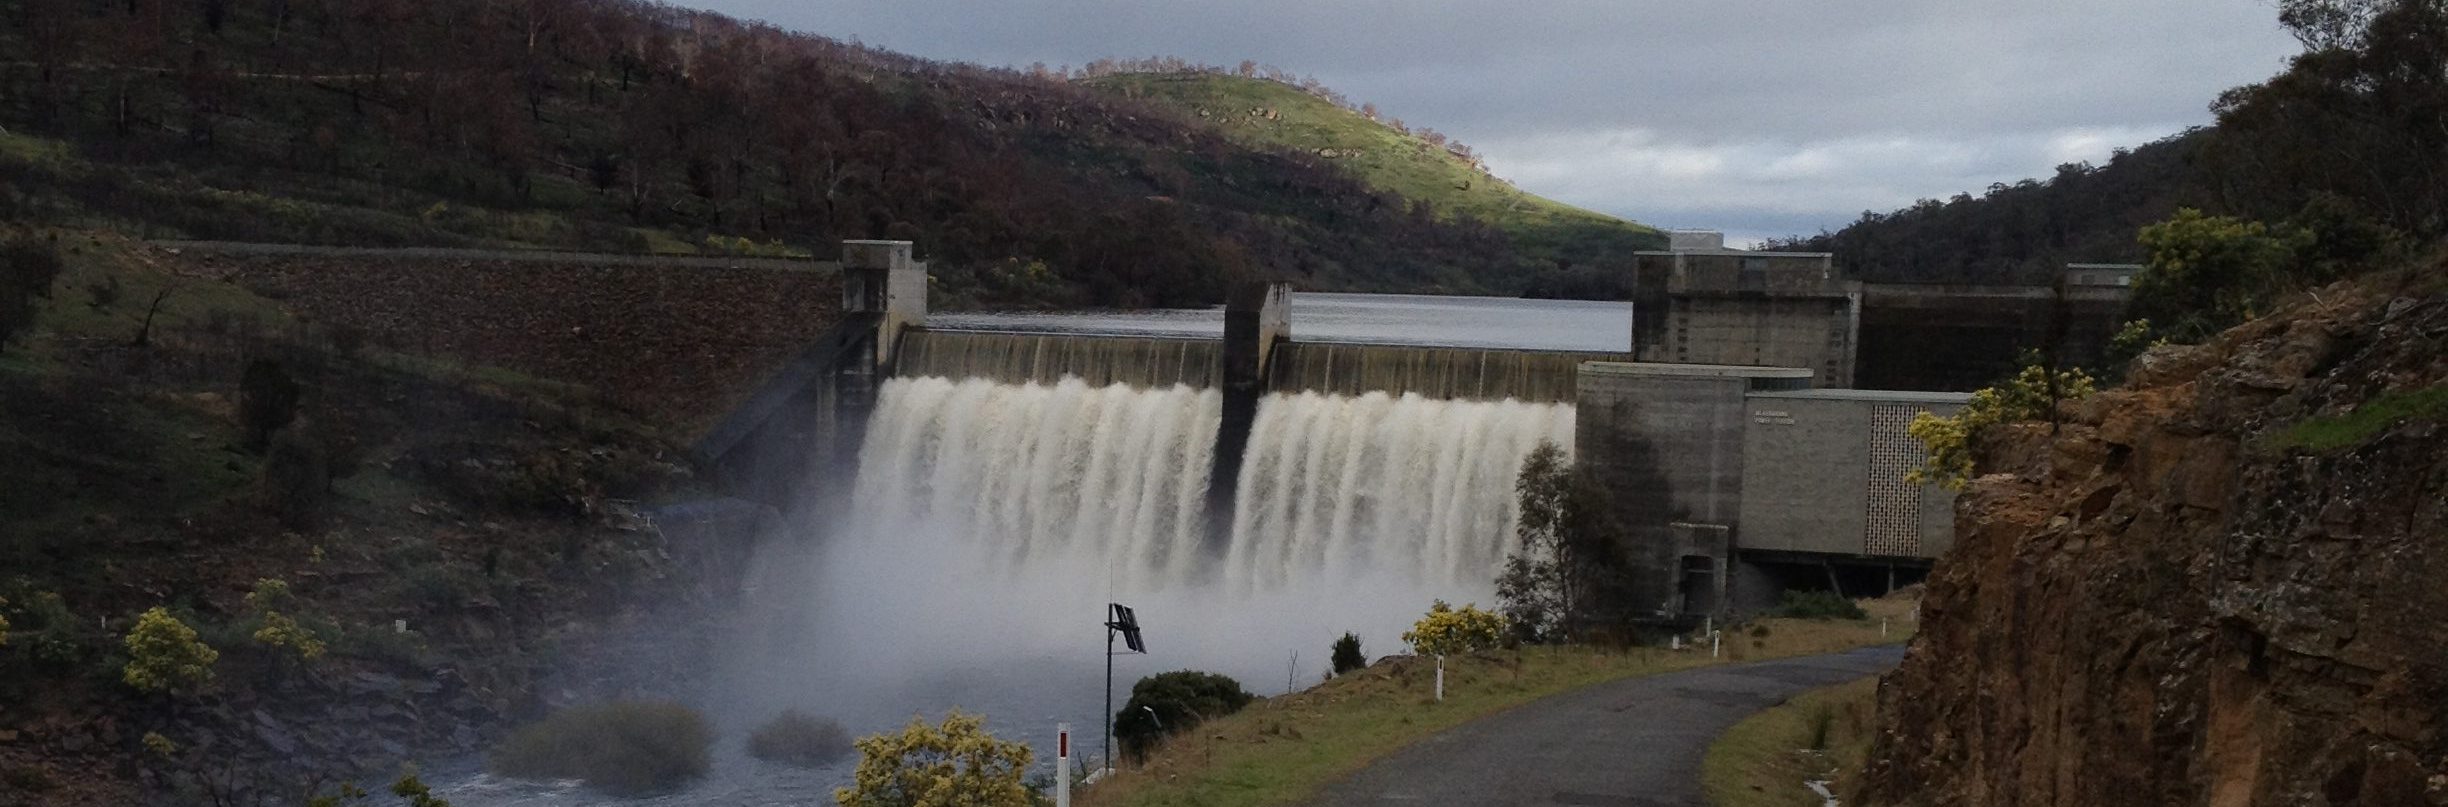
(1570, 560)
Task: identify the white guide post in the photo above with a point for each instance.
(1713, 643)
(1440, 691)
(1062, 765)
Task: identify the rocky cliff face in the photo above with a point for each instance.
(2217, 586)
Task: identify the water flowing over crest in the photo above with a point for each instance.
(1032, 471)
(1414, 486)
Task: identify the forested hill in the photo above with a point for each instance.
(2349, 145)
(1421, 165)
(623, 125)
(2024, 232)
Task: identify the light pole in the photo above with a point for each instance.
(1118, 620)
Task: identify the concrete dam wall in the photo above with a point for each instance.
(1043, 358)
(1444, 373)
(1430, 372)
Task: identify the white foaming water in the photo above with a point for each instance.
(1410, 486)
(1029, 471)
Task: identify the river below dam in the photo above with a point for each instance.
(991, 521)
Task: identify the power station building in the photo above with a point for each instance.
(1737, 482)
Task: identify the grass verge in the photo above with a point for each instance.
(1819, 736)
(1280, 750)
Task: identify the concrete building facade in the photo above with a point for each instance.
(1735, 307)
(1735, 482)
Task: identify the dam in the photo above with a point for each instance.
(1234, 454)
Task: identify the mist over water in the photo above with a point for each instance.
(989, 523)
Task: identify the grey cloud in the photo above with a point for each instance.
(1603, 103)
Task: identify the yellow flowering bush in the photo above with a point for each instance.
(164, 653)
(1949, 439)
(279, 630)
(956, 764)
(1446, 631)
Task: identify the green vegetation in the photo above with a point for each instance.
(2208, 273)
(624, 748)
(796, 738)
(2349, 142)
(1823, 736)
(1569, 570)
(1446, 631)
(955, 764)
(1345, 656)
(1422, 167)
(2367, 421)
(1280, 750)
(2032, 394)
(164, 654)
(1166, 704)
(1818, 605)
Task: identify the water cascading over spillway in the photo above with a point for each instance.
(1405, 485)
(1032, 470)
(991, 522)
(1402, 487)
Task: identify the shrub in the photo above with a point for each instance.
(623, 748)
(2208, 273)
(794, 737)
(1818, 605)
(164, 653)
(27, 269)
(267, 401)
(281, 632)
(2029, 395)
(1347, 656)
(48, 631)
(1445, 631)
(277, 630)
(956, 764)
(1165, 704)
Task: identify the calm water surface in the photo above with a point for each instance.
(1389, 319)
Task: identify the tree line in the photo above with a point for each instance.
(2354, 132)
(600, 123)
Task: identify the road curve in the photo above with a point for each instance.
(1631, 743)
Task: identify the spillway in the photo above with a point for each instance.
(1480, 374)
(1039, 358)
(1113, 472)
(1403, 484)
(1416, 488)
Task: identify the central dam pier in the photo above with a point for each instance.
(1255, 456)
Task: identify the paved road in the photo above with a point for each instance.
(1630, 743)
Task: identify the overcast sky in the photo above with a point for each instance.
(1761, 118)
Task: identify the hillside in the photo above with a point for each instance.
(1273, 115)
(447, 544)
(633, 126)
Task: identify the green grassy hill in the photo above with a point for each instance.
(1269, 114)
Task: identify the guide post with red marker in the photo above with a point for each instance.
(1062, 765)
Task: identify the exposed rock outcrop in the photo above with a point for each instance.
(2170, 601)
